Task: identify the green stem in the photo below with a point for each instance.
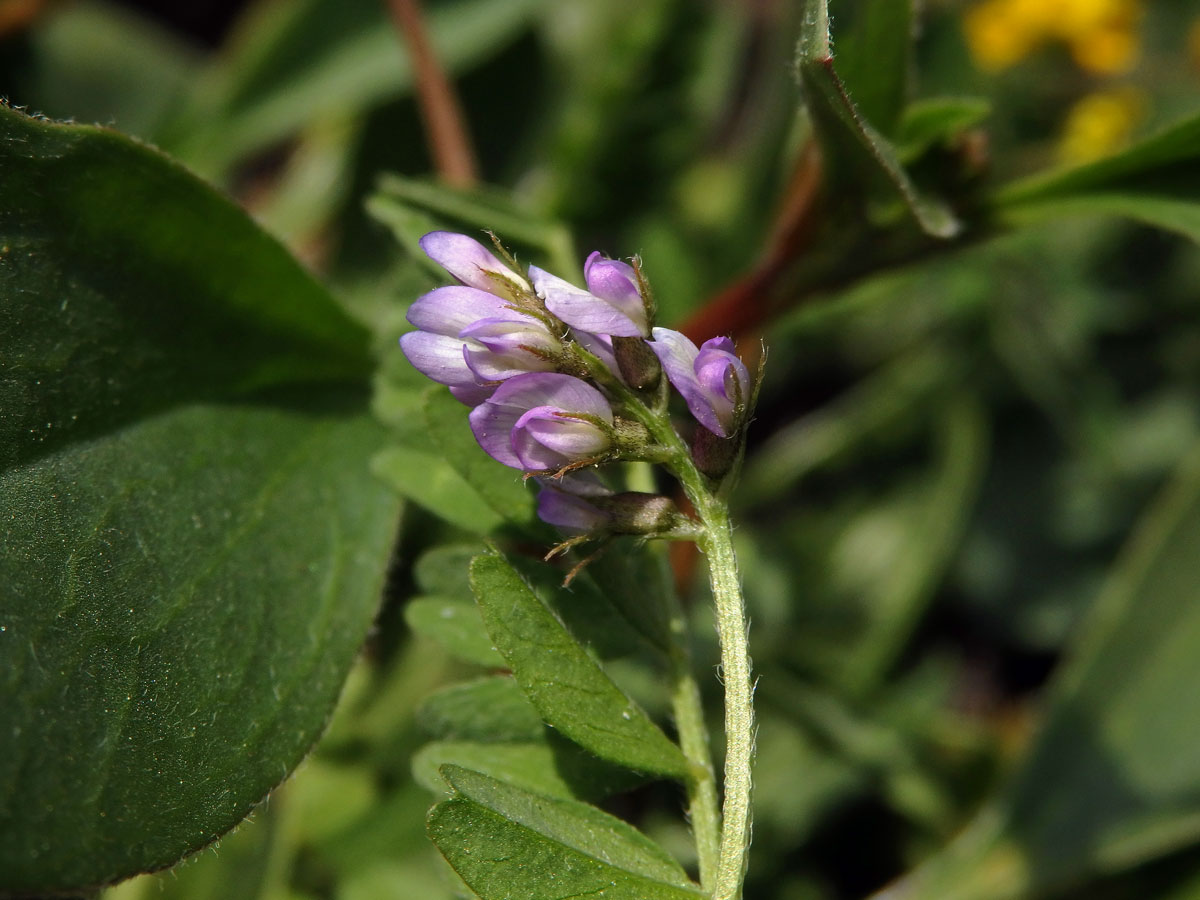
(703, 808)
(717, 546)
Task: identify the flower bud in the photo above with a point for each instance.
(637, 363)
(713, 455)
(611, 305)
(712, 379)
(584, 506)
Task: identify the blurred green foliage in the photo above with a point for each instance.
(968, 517)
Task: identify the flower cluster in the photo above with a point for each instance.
(562, 378)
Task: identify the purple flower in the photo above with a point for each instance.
(611, 305)
(544, 421)
(566, 502)
(470, 339)
(712, 379)
(473, 264)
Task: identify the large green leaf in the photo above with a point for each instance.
(563, 681)
(181, 601)
(507, 843)
(1156, 181)
(191, 547)
(130, 286)
(1113, 778)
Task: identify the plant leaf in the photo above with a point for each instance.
(500, 487)
(502, 860)
(566, 685)
(1156, 181)
(876, 61)
(182, 600)
(854, 151)
(192, 548)
(935, 120)
(552, 766)
(591, 615)
(576, 826)
(131, 286)
(1113, 779)
(487, 709)
(456, 626)
(428, 480)
(403, 204)
(295, 62)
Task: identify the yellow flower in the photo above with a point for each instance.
(1000, 33)
(1098, 124)
(1101, 35)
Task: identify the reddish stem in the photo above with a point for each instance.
(445, 125)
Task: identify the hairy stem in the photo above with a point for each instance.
(717, 546)
(703, 808)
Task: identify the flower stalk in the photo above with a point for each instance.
(563, 380)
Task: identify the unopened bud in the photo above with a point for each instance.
(713, 455)
(638, 363)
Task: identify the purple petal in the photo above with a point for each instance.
(495, 349)
(582, 484)
(469, 261)
(616, 282)
(448, 310)
(492, 422)
(581, 309)
(678, 357)
(600, 346)
(567, 511)
(724, 344)
(722, 372)
(546, 438)
(472, 394)
(438, 357)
